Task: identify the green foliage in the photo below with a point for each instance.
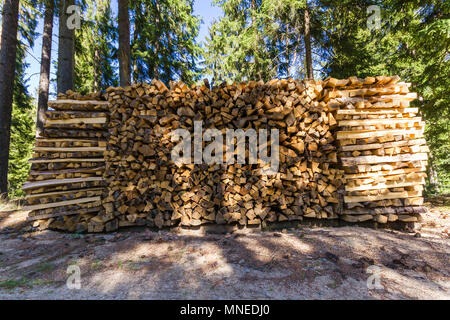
(11, 284)
(22, 142)
(348, 46)
(95, 52)
(23, 113)
(429, 49)
(163, 42)
(257, 39)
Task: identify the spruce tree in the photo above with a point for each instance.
(95, 53)
(8, 45)
(66, 44)
(164, 40)
(44, 81)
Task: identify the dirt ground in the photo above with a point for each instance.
(305, 263)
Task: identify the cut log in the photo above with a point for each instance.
(57, 193)
(80, 149)
(66, 160)
(387, 159)
(391, 195)
(60, 204)
(50, 123)
(38, 184)
(370, 133)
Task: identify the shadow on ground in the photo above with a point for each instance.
(307, 263)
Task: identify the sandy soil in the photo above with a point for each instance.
(305, 263)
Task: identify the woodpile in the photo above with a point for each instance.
(381, 146)
(147, 187)
(350, 149)
(65, 186)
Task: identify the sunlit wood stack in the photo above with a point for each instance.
(146, 187)
(382, 148)
(65, 185)
(350, 149)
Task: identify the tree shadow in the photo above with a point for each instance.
(319, 263)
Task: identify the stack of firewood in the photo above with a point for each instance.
(145, 186)
(65, 185)
(381, 146)
(351, 149)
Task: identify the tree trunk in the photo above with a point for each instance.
(97, 63)
(256, 47)
(288, 58)
(158, 39)
(7, 74)
(137, 31)
(124, 44)
(309, 66)
(65, 49)
(44, 82)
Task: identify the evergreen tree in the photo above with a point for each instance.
(261, 39)
(66, 44)
(237, 50)
(308, 46)
(423, 30)
(95, 53)
(124, 43)
(23, 108)
(163, 42)
(44, 81)
(8, 45)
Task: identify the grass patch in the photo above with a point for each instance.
(130, 265)
(14, 283)
(97, 264)
(45, 267)
(40, 282)
(11, 284)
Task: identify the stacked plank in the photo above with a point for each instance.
(381, 146)
(145, 186)
(65, 185)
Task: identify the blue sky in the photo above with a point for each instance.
(203, 8)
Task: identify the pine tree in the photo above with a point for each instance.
(44, 81)
(163, 44)
(124, 44)
(308, 47)
(8, 51)
(423, 32)
(95, 53)
(65, 47)
(239, 43)
(259, 39)
(23, 108)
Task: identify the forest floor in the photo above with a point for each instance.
(305, 263)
